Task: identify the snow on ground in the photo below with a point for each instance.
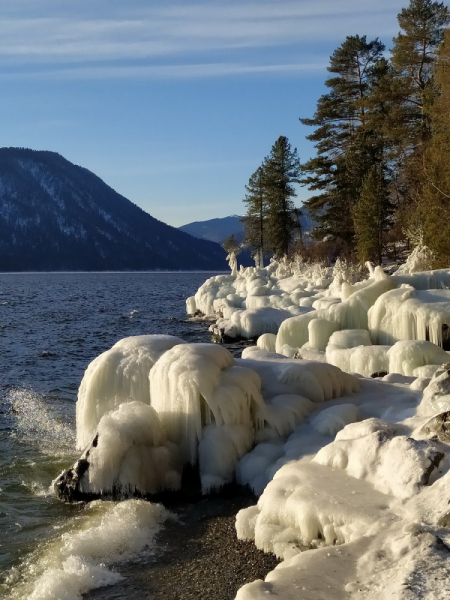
(352, 472)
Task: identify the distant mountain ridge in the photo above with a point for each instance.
(216, 230)
(55, 215)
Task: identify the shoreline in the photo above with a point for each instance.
(198, 556)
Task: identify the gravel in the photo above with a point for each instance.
(198, 558)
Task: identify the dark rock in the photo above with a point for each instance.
(444, 520)
(378, 374)
(438, 428)
(67, 484)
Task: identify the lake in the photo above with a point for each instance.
(51, 326)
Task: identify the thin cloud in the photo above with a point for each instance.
(189, 71)
(84, 34)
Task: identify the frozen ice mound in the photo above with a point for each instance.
(407, 313)
(436, 397)
(257, 321)
(364, 360)
(405, 357)
(314, 380)
(394, 464)
(132, 452)
(116, 376)
(310, 505)
(267, 342)
(199, 385)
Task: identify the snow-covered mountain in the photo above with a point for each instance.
(55, 215)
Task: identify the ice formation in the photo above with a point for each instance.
(394, 464)
(208, 405)
(155, 405)
(116, 376)
(361, 477)
(372, 499)
(406, 357)
(310, 308)
(313, 380)
(410, 314)
(436, 397)
(132, 452)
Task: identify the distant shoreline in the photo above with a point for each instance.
(108, 272)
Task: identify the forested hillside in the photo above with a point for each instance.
(55, 215)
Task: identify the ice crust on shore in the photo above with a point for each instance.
(200, 406)
(353, 489)
(325, 315)
(359, 515)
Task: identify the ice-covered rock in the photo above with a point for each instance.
(395, 465)
(405, 357)
(319, 332)
(350, 338)
(365, 360)
(194, 386)
(119, 375)
(409, 314)
(267, 342)
(129, 454)
(309, 505)
(438, 427)
(254, 322)
(436, 397)
(313, 380)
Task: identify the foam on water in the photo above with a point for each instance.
(81, 558)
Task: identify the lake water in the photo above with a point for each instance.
(51, 326)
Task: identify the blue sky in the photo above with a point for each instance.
(173, 104)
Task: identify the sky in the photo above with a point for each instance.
(173, 104)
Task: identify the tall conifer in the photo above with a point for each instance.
(255, 219)
(435, 201)
(344, 139)
(281, 171)
(370, 216)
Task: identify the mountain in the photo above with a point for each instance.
(56, 216)
(216, 230)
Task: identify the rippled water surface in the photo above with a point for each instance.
(51, 326)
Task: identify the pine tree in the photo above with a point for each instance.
(345, 139)
(435, 202)
(230, 245)
(281, 171)
(413, 94)
(413, 57)
(255, 219)
(370, 216)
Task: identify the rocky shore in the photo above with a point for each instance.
(198, 556)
